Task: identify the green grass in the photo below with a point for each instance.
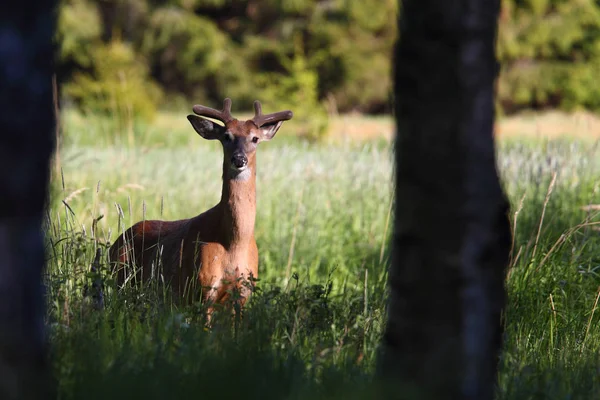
(313, 327)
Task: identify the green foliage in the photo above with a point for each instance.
(208, 50)
(581, 89)
(550, 50)
(295, 89)
(351, 50)
(192, 55)
(118, 84)
(79, 28)
(201, 51)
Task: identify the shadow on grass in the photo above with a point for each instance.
(299, 341)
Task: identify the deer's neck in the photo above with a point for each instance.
(238, 206)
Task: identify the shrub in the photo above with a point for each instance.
(118, 84)
(297, 89)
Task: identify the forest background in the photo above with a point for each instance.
(129, 58)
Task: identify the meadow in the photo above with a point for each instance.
(324, 217)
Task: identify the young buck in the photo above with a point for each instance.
(217, 248)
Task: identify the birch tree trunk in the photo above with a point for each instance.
(26, 143)
(451, 237)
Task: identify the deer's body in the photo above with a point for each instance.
(217, 248)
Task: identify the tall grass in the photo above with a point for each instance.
(323, 226)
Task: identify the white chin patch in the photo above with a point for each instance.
(240, 174)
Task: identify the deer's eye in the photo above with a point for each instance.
(255, 139)
(228, 137)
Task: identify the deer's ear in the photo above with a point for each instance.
(205, 128)
(268, 131)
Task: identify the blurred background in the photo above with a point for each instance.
(321, 58)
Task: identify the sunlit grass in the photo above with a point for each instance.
(322, 229)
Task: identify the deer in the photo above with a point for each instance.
(217, 248)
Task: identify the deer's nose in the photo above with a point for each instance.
(239, 160)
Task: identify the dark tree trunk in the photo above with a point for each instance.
(26, 143)
(452, 235)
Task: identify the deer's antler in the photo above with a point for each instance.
(223, 115)
(260, 119)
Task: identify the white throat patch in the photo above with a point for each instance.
(242, 175)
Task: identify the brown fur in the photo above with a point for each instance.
(216, 248)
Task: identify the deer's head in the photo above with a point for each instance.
(239, 138)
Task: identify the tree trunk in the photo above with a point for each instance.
(451, 238)
(26, 143)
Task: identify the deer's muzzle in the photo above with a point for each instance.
(239, 160)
